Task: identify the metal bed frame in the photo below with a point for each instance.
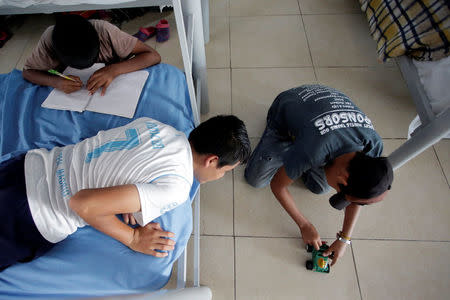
(192, 19)
(433, 128)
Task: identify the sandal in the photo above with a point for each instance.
(162, 31)
(4, 37)
(145, 33)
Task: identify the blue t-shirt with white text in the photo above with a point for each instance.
(323, 124)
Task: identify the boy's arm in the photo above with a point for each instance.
(145, 56)
(279, 186)
(98, 207)
(44, 78)
(338, 247)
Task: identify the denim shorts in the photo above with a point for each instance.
(268, 157)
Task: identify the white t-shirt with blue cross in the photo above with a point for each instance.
(154, 156)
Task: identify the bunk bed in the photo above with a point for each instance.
(25, 125)
(416, 34)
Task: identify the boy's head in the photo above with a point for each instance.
(75, 41)
(219, 144)
(369, 179)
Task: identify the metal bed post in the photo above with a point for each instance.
(205, 14)
(423, 138)
(193, 53)
(197, 55)
(433, 128)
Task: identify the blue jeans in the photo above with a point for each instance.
(267, 158)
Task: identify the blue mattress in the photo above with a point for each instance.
(89, 263)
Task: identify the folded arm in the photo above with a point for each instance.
(98, 207)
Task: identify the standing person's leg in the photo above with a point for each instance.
(267, 158)
(20, 240)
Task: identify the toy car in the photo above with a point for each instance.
(319, 263)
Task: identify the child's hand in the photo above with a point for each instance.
(337, 249)
(310, 236)
(151, 237)
(129, 219)
(102, 78)
(68, 86)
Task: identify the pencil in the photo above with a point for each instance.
(54, 72)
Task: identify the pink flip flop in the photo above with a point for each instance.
(162, 31)
(145, 33)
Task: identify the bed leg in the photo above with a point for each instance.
(423, 138)
(197, 239)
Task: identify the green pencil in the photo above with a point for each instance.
(54, 72)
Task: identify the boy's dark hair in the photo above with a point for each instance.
(368, 176)
(75, 41)
(224, 136)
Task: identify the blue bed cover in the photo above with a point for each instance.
(89, 263)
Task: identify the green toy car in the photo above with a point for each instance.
(319, 263)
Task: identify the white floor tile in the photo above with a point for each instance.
(218, 48)
(254, 90)
(340, 40)
(417, 207)
(275, 269)
(216, 203)
(443, 153)
(11, 52)
(219, 91)
(219, 8)
(263, 7)
(329, 6)
(403, 270)
(268, 41)
(216, 266)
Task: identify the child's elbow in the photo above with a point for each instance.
(157, 57)
(26, 74)
(78, 203)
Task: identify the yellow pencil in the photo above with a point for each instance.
(54, 72)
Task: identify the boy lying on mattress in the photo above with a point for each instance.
(144, 168)
(78, 43)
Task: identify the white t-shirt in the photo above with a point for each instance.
(153, 156)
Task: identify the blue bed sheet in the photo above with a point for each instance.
(89, 263)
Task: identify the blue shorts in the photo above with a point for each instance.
(20, 240)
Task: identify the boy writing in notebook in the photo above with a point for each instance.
(78, 43)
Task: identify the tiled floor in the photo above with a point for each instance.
(250, 247)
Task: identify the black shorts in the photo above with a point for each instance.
(20, 240)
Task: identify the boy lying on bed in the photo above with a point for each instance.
(145, 168)
(78, 43)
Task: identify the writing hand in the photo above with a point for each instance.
(68, 86)
(151, 237)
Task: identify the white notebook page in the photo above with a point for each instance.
(121, 96)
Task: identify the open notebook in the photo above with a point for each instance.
(120, 99)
